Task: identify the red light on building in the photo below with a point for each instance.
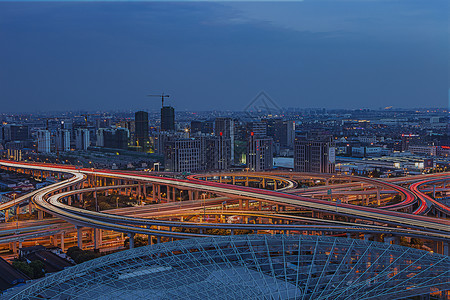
(220, 133)
(252, 133)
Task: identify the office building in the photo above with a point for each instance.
(82, 139)
(63, 140)
(15, 132)
(183, 155)
(409, 140)
(141, 129)
(167, 118)
(196, 126)
(259, 128)
(103, 123)
(113, 138)
(217, 153)
(225, 127)
(43, 141)
(281, 131)
(259, 153)
(315, 155)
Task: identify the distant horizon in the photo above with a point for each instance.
(285, 110)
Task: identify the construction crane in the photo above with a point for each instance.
(86, 117)
(162, 98)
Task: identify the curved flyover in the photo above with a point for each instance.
(437, 226)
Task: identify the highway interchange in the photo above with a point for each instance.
(351, 219)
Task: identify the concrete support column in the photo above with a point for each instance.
(190, 195)
(14, 248)
(40, 215)
(153, 192)
(378, 196)
(149, 236)
(97, 238)
(55, 240)
(159, 193)
(131, 237)
(80, 236)
(62, 241)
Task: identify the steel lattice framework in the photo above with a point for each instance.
(251, 267)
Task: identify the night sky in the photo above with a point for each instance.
(219, 56)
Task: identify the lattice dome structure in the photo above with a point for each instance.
(251, 267)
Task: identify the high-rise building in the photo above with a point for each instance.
(167, 118)
(103, 123)
(316, 155)
(259, 153)
(281, 131)
(196, 126)
(82, 139)
(113, 138)
(183, 155)
(141, 129)
(15, 132)
(225, 127)
(217, 153)
(43, 141)
(63, 140)
(259, 128)
(409, 139)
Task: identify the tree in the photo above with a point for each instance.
(34, 270)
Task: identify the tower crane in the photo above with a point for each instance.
(162, 98)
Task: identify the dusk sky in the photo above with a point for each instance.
(219, 56)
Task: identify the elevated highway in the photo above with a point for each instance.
(400, 224)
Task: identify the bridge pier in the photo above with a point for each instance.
(62, 241)
(97, 236)
(79, 236)
(131, 239)
(445, 249)
(159, 193)
(149, 236)
(378, 196)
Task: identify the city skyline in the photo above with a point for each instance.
(109, 56)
